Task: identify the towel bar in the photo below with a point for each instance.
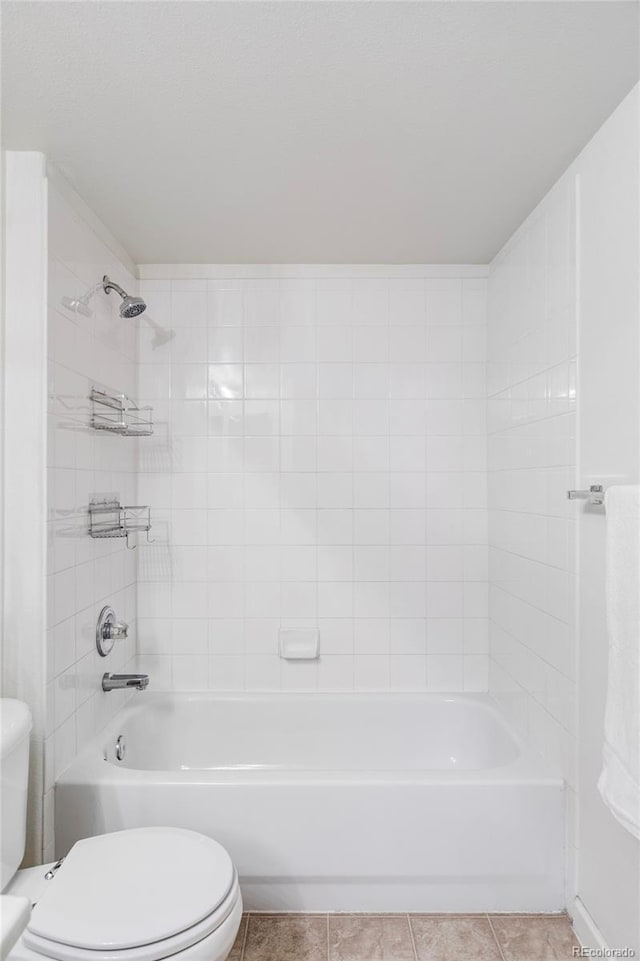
(595, 494)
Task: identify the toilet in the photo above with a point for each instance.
(142, 895)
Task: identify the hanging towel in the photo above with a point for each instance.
(619, 782)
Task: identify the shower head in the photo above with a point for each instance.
(130, 306)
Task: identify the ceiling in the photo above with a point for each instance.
(317, 132)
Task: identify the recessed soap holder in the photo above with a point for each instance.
(299, 644)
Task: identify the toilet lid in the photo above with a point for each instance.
(132, 888)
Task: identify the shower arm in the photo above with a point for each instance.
(109, 285)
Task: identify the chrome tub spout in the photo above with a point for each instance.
(116, 682)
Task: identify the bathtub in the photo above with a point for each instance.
(353, 802)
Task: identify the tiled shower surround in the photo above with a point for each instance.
(532, 464)
(318, 462)
(532, 397)
(82, 574)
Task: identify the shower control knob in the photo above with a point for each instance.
(109, 630)
(117, 630)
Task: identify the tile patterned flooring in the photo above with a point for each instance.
(404, 937)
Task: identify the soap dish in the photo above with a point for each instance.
(299, 644)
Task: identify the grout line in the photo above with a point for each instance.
(495, 937)
(413, 941)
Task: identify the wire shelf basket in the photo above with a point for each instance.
(118, 414)
(109, 518)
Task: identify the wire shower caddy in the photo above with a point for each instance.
(118, 414)
(109, 518)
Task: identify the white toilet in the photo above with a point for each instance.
(143, 894)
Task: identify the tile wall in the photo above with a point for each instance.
(320, 463)
(531, 464)
(83, 574)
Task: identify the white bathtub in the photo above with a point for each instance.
(405, 802)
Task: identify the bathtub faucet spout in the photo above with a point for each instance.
(115, 682)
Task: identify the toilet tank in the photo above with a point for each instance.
(15, 727)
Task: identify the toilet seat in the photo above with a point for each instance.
(136, 895)
(157, 951)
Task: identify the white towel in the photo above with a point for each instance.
(619, 782)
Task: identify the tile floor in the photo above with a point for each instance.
(402, 937)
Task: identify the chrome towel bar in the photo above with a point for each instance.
(595, 495)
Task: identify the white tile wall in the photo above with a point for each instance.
(83, 574)
(320, 461)
(531, 465)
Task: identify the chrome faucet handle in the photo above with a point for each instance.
(109, 630)
(116, 630)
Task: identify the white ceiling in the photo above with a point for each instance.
(356, 132)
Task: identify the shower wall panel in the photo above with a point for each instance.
(320, 464)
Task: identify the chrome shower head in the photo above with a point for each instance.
(130, 306)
